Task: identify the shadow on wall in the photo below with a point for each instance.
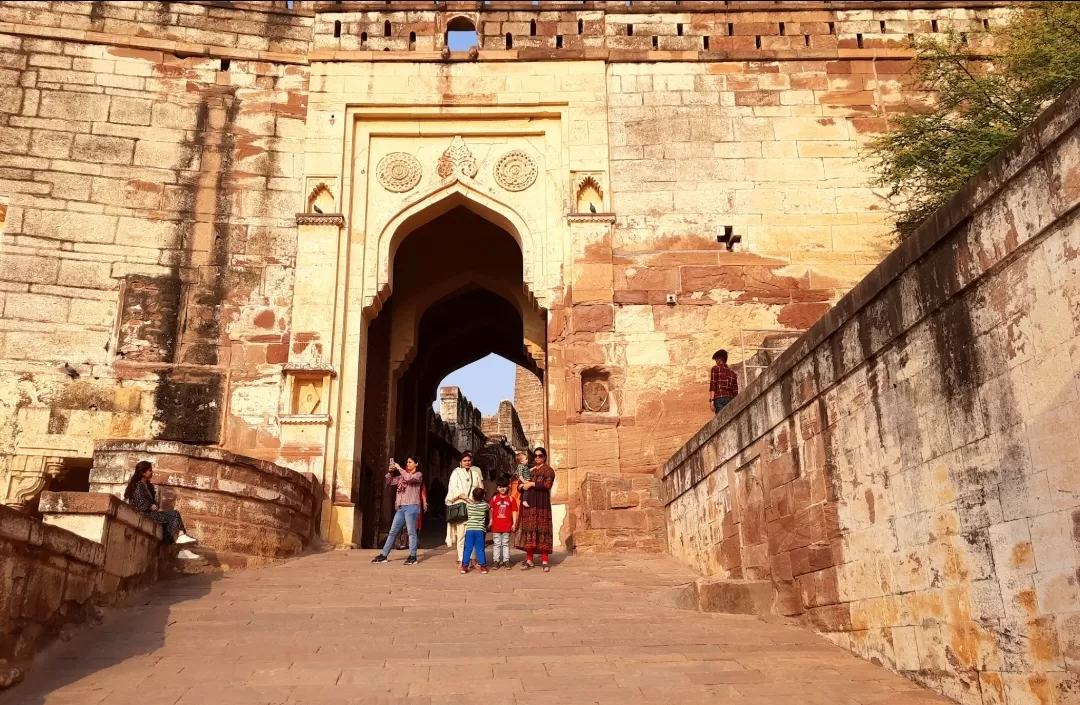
(116, 654)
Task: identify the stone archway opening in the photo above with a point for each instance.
(458, 295)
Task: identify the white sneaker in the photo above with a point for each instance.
(186, 555)
(186, 538)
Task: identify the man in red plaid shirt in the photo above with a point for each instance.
(723, 382)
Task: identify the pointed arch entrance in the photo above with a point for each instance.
(452, 290)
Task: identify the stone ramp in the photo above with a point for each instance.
(333, 629)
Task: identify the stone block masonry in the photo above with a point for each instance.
(150, 238)
(904, 474)
(620, 513)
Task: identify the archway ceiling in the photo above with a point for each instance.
(462, 329)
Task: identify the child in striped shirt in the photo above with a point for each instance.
(476, 526)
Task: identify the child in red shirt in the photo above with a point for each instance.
(504, 519)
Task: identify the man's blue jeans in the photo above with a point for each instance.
(474, 542)
(404, 516)
(719, 403)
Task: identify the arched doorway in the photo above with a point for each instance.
(458, 294)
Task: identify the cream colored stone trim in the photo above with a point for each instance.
(27, 477)
(302, 367)
(311, 419)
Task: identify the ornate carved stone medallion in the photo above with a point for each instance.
(457, 158)
(515, 170)
(595, 396)
(399, 172)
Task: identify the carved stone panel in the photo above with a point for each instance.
(458, 159)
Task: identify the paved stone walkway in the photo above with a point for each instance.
(333, 629)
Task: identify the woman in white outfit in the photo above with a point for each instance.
(463, 481)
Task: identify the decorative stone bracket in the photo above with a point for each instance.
(590, 217)
(334, 219)
(28, 476)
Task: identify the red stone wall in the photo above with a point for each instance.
(529, 402)
(619, 513)
(631, 31)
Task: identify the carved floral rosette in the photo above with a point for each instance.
(515, 170)
(399, 172)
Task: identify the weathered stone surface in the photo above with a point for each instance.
(618, 512)
(615, 643)
(57, 573)
(898, 474)
(735, 596)
(155, 157)
(249, 508)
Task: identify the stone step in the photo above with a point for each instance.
(751, 597)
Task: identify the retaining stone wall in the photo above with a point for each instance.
(243, 511)
(905, 474)
(53, 576)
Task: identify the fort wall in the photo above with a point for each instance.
(904, 474)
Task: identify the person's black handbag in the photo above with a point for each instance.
(456, 513)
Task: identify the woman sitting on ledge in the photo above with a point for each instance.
(142, 496)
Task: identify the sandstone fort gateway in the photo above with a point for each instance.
(274, 230)
(247, 241)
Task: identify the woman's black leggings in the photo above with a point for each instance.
(174, 525)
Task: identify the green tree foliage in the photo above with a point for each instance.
(978, 106)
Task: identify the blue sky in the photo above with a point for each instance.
(485, 383)
(460, 41)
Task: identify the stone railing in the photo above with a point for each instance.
(621, 513)
(244, 511)
(92, 549)
(905, 474)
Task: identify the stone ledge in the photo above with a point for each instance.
(305, 419)
(233, 504)
(19, 528)
(590, 217)
(749, 597)
(333, 219)
(97, 504)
